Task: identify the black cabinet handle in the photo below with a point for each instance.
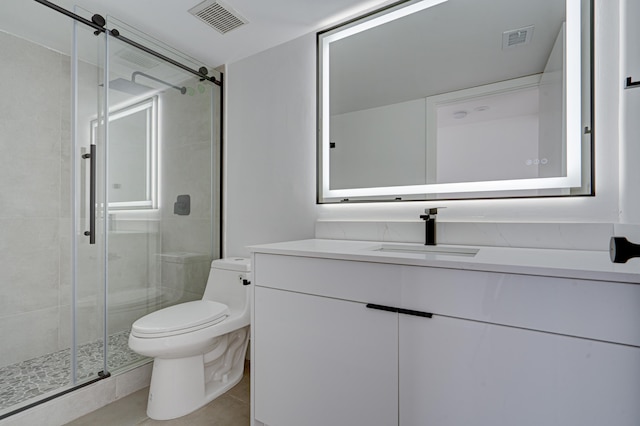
(382, 307)
(399, 310)
(415, 313)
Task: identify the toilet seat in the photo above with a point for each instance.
(180, 319)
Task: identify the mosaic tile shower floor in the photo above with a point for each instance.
(31, 378)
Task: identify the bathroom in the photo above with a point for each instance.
(269, 172)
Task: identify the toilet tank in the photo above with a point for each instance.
(225, 283)
(182, 276)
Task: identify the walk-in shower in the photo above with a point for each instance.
(102, 130)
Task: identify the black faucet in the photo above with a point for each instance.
(430, 225)
(621, 250)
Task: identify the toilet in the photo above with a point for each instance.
(198, 347)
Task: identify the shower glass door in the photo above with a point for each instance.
(45, 318)
(161, 151)
(88, 252)
(67, 300)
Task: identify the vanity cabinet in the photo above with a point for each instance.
(460, 372)
(511, 349)
(322, 361)
(498, 349)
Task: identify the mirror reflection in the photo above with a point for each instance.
(459, 99)
(132, 147)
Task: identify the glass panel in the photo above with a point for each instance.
(38, 229)
(89, 279)
(161, 255)
(153, 244)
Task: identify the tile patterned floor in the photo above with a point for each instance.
(31, 378)
(230, 409)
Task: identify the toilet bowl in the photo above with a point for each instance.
(198, 347)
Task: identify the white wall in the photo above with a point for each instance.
(551, 101)
(629, 123)
(466, 151)
(388, 128)
(270, 147)
(271, 151)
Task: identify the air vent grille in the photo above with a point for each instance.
(218, 15)
(518, 37)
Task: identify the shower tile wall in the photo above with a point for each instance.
(186, 169)
(34, 203)
(132, 282)
(35, 213)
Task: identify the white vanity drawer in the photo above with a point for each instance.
(356, 281)
(599, 310)
(606, 311)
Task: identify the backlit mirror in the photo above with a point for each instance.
(133, 160)
(448, 99)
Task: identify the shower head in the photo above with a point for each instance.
(134, 88)
(182, 90)
(130, 87)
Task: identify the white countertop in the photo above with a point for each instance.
(591, 265)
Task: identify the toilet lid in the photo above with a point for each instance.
(180, 318)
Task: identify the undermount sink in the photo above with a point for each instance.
(414, 248)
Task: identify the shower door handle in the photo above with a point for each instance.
(91, 233)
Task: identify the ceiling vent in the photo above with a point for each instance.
(218, 15)
(518, 37)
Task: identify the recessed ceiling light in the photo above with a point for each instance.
(460, 114)
(482, 108)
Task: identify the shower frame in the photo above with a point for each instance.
(98, 24)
